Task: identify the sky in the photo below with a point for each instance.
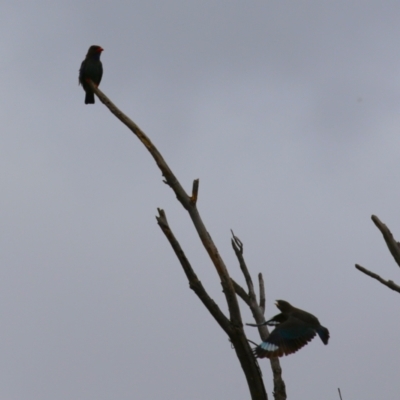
(289, 114)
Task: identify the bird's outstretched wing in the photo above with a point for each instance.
(286, 338)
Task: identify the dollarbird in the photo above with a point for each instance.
(294, 328)
(91, 68)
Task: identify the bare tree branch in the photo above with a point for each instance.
(237, 246)
(392, 244)
(195, 190)
(258, 313)
(235, 331)
(250, 298)
(194, 283)
(394, 248)
(187, 203)
(241, 292)
(389, 284)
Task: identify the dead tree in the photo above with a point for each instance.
(394, 248)
(232, 324)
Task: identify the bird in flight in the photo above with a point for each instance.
(294, 328)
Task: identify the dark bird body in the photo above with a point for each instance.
(91, 69)
(294, 328)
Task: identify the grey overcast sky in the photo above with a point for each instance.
(287, 111)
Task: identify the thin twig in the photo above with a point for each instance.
(238, 242)
(195, 191)
(392, 244)
(237, 246)
(241, 292)
(340, 394)
(389, 284)
(262, 292)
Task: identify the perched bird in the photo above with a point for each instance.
(294, 328)
(91, 68)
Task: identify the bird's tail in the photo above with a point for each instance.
(323, 333)
(89, 98)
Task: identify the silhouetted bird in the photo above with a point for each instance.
(294, 328)
(91, 68)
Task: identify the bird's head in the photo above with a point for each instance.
(284, 306)
(94, 50)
